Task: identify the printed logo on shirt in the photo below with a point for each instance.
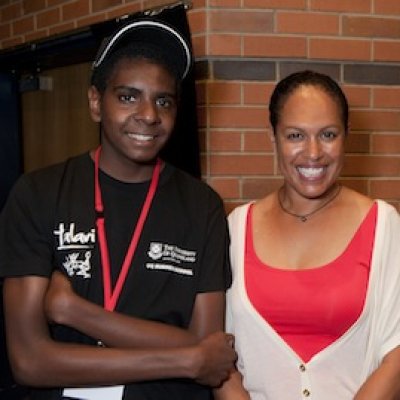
(76, 267)
(68, 238)
(171, 258)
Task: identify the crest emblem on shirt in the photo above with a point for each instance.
(156, 251)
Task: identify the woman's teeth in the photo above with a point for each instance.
(311, 172)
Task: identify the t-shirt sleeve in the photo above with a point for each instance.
(24, 240)
(215, 270)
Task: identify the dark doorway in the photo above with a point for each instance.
(30, 62)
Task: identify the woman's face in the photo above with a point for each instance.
(310, 140)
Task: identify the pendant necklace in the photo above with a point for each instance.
(304, 217)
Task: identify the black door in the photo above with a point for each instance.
(10, 169)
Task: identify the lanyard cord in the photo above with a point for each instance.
(111, 296)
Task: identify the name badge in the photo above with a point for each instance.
(94, 393)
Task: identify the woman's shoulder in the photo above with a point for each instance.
(265, 207)
(239, 213)
(354, 200)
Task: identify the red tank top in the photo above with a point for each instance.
(312, 308)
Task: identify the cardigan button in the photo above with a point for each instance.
(306, 393)
(302, 367)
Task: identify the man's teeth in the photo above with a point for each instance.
(310, 172)
(138, 136)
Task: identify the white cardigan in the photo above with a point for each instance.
(273, 371)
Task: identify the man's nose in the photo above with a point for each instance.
(147, 112)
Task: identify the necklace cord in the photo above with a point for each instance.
(304, 217)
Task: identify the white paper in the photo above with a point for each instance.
(95, 393)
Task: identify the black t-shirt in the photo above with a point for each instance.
(49, 222)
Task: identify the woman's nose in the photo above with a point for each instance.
(313, 148)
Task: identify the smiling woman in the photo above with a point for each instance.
(309, 140)
(315, 266)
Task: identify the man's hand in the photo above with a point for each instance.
(215, 360)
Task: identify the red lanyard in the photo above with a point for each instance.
(111, 296)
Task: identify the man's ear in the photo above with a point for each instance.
(94, 98)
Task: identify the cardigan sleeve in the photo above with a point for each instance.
(237, 230)
(386, 259)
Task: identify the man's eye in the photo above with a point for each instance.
(127, 98)
(164, 102)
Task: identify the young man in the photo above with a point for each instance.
(144, 247)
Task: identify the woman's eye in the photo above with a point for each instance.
(294, 136)
(329, 134)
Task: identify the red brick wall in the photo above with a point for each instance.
(242, 48)
(250, 44)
